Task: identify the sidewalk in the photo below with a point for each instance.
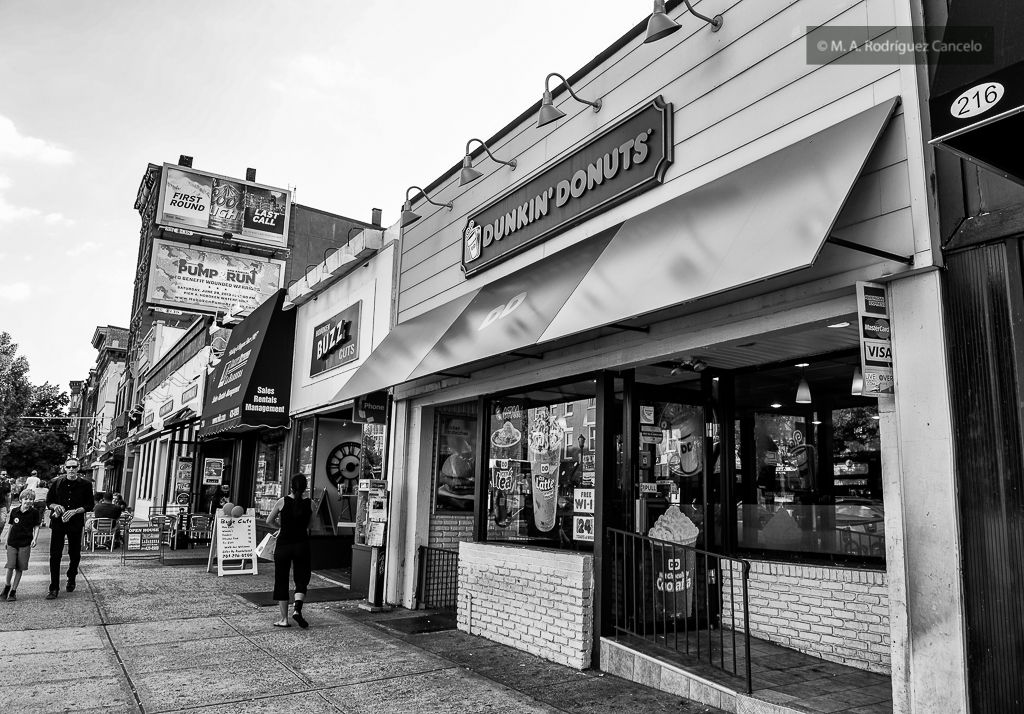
(146, 637)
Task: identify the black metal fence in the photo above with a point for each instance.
(438, 578)
(678, 597)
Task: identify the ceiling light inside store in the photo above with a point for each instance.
(840, 324)
(857, 387)
(803, 392)
(775, 405)
(803, 364)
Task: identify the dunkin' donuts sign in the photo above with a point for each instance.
(624, 160)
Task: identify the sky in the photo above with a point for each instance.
(349, 103)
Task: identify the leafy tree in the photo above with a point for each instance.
(15, 391)
(26, 444)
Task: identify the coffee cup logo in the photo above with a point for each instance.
(473, 241)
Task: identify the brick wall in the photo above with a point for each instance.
(538, 601)
(447, 531)
(838, 614)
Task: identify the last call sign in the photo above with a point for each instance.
(335, 342)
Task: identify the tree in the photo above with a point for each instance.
(41, 442)
(15, 391)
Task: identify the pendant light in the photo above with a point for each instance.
(857, 388)
(803, 390)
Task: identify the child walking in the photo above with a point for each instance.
(21, 539)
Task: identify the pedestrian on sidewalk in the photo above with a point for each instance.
(22, 532)
(290, 515)
(69, 499)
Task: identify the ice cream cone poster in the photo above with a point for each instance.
(546, 442)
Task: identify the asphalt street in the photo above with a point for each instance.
(145, 637)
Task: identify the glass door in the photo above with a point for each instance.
(670, 466)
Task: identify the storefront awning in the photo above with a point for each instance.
(250, 386)
(977, 110)
(500, 317)
(766, 219)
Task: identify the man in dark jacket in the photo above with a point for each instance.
(68, 499)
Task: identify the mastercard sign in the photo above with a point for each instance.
(875, 340)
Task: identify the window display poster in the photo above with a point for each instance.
(213, 471)
(506, 455)
(455, 467)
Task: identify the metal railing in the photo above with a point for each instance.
(678, 597)
(438, 578)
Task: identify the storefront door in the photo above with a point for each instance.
(671, 457)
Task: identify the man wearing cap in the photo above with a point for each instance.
(68, 499)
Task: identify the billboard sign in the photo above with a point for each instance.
(195, 278)
(201, 202)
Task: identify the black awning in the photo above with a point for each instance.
(250, 386)
(977, 111)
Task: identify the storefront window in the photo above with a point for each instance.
(455, 463)
(303, 450)
(541, 469)
(815, 485)
(269, 476)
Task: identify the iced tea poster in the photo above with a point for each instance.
(186, 278)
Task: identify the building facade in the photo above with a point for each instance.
(730, 267)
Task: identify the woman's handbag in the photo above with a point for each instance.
(267, 547)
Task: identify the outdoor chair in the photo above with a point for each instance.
(103, 531)
(166, 524)
(200, 528)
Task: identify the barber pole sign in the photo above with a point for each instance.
(875, 330)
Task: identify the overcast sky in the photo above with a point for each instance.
(349, 102)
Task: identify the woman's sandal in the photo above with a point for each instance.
(282, 624)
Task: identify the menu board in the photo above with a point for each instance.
(455, 465)
(234, 545)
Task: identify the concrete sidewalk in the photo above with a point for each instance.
(145, 637)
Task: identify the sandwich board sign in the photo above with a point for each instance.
(234, 545)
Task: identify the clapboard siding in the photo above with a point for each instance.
(633, 77)
(738, 95)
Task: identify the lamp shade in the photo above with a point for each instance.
(803, 392)
(660, 25)
(408, 216)
(857, 388)
(548, 111)
(469, 174)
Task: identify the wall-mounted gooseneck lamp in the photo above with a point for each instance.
(469, 174)
(409, 216)
(661, 25)
(549, 112)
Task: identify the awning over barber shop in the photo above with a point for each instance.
(250, 387)
(769, 218)
(977, 110)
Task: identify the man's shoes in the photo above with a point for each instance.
(13, 595)
(52, 595)
(71, 585)
(7, 590)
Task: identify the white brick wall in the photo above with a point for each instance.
(838, 614)
(538, 601)
(447, 531)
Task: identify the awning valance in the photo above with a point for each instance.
(768, 218)
(251, 385)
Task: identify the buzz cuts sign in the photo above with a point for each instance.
(628, 158)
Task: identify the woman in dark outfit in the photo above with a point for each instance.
(291, 516)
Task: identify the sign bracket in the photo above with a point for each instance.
(908, 259)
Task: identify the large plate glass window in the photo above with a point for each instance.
(541, 464)
(810, 482)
